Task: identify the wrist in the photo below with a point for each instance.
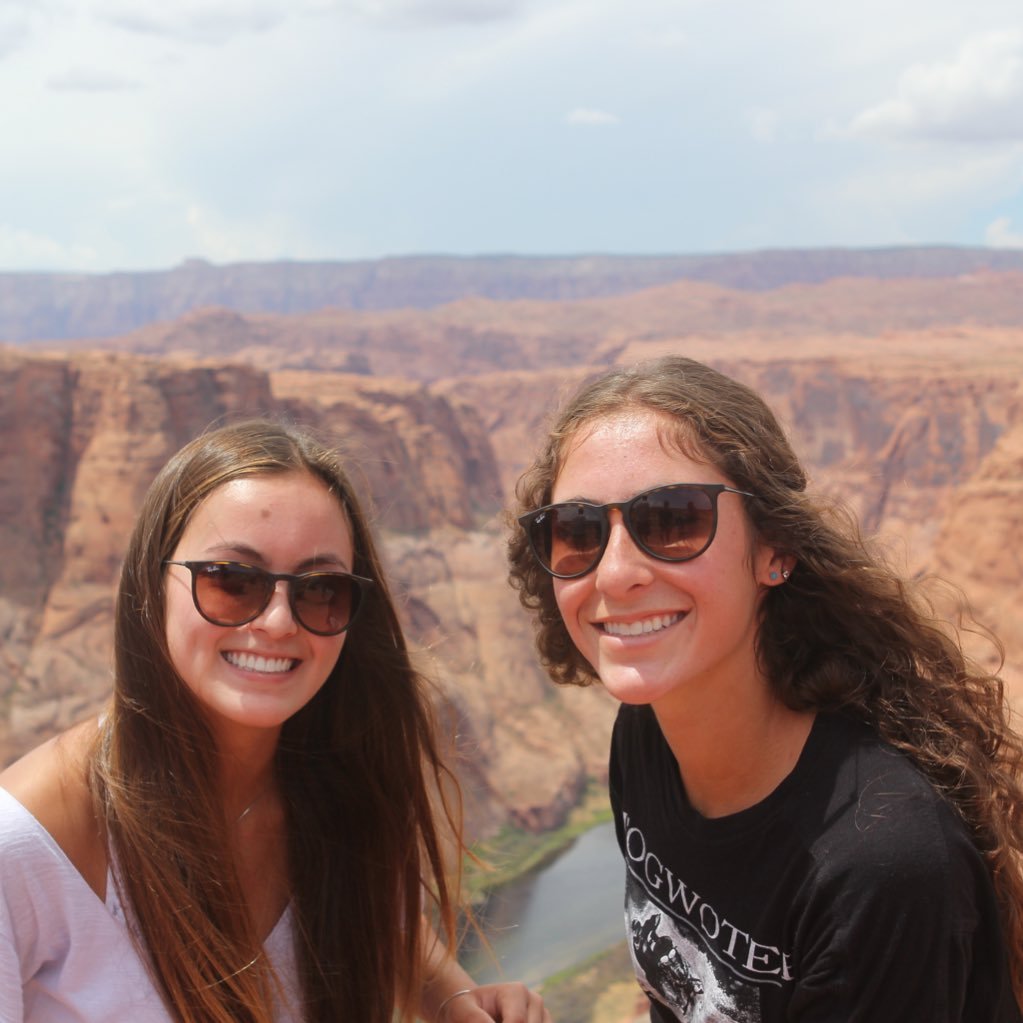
(443, 1007)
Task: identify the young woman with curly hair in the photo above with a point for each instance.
(251, 832)
(817, 795)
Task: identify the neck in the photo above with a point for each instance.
(730, 758)
(248, 808)
(246, 774)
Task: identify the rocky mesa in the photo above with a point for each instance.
(919, 428)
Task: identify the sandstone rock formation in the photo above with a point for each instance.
(474, 335)
(82, 305)
(920, 430)
(979, 545)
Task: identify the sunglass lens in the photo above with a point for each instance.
(325, 603)
(674, 523)
(571, 537)
(231, 594)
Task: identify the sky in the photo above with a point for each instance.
(136, 134)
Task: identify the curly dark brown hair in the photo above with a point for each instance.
(846, 631)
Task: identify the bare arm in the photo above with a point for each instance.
(450, 995)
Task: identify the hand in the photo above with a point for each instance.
(496, 1003)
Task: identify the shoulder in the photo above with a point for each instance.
(895, 892)
(884, 831)
(51, 783)
(876, 792)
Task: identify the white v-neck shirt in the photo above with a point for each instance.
(66, 956)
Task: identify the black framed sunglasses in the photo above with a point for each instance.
(676, 522)
(230, 593)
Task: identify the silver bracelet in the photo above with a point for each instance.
(450, 998)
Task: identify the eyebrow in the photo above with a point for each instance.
(324, 560)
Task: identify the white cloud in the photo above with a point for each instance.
(763, 124)
(977, 97)
(203, 21)
(15, 27)
(1000, 235)
(26, 250)
(591, 116)
(912, 183)
(91, 80)
(413, 13)
(665, 39)
(266, 236)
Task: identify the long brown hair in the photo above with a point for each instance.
(846, 631)
(358, 768)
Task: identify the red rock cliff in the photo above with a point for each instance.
(919, 430)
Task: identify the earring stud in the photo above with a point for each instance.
(786, 574)
(774, 576)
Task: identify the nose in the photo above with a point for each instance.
(277, 618)
(622, 565)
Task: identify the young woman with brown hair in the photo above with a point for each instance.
(250, 833)
(817, 794)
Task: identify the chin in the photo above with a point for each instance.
(634, 691)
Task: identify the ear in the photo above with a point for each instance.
(773, 567)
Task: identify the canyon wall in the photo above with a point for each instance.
(41, 305)
(921, 431)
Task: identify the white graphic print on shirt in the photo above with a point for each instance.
(688, 957)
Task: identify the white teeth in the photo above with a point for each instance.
(253, 662)
(654, 624)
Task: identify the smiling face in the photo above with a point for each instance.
(254, 677)
(656, 632)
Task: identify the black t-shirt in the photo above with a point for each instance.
(852, 894)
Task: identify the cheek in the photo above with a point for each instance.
(562, 594)
(178, 607)
(570, 595)
(332, 651)
(173, 620)
(181, 648)
(179, 612)
(323, 655)
(187, 635)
